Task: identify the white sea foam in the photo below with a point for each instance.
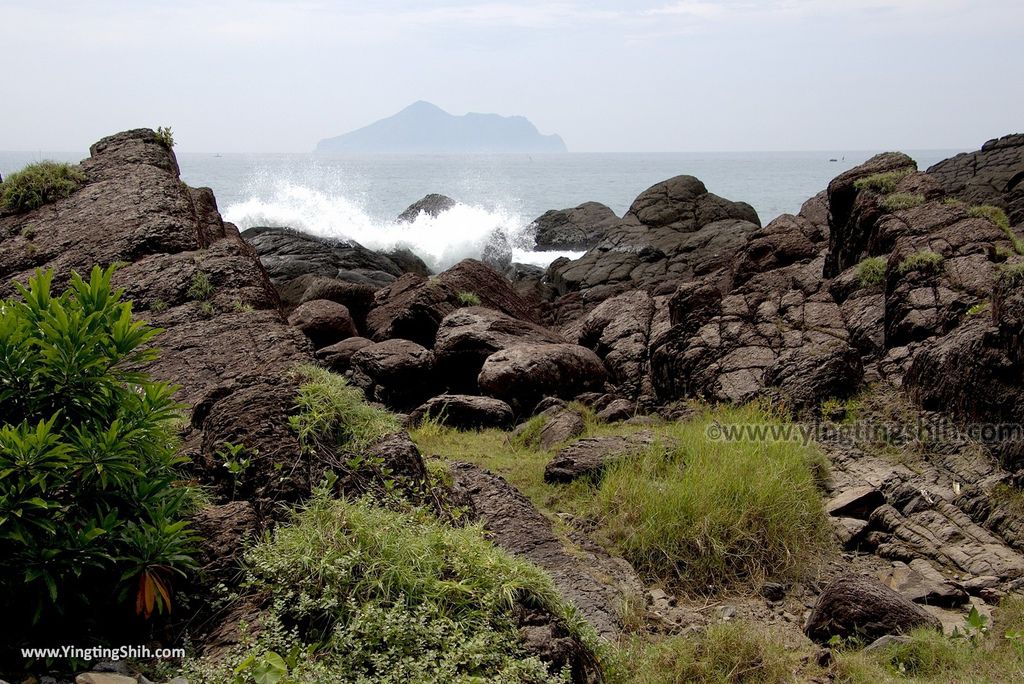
(462, 231)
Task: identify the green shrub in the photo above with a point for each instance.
(165, 137)
(38, 184)
(897, 201)
(468, 299)
(924, 261)
(334, 413)
(884, 182)
(707, 513)
(368, 594)
(200, 288)
(90, 514)
(871, 271)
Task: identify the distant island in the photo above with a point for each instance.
(426, 128)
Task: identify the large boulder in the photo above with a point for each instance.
(862, 607)
(357, 297)
(324, 322)
(413, 307)
(466, 337)
(288, 254)
(432, 205)
(674, 232)
(579, 228)
(524, 374)
(465, 412)
(397, 373)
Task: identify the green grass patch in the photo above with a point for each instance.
(38, 184)
(898, 201)
(331, 411)
(978, 309)
(468, 299)
(1011, 275)
(932, 658)
(884, 182)
(731, 652)
(871, 271)
(200, 288)
(358, 593)
(707, 514)
(998, 217)
(924, 261)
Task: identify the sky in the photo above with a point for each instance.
(640, 76)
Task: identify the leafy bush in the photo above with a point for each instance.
(884, 182)
(165, 136)
(924, 261)
(364, 594)
(468, 299)
(707, 513)
(38, 184)
(89, 511)
(897, 201)
(871, 271)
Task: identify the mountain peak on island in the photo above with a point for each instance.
(423, 127)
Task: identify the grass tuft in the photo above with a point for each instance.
(898, 201)
(924, 261)
(200, 288)
(871, 271)
(468, 299)
(38, 184)
(884, 182)
(998, 217)
(335, 412)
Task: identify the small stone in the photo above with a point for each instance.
(886, 640)
(104, 678)
(858, 503)
(773, 591)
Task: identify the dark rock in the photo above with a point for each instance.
(618, 410)
(408, 261)
(288, 254)
(580, 228)
(808, 375)
(397, 373)
(992, 175)
(856, 606)
(400, 457)
(223, 532)
(356, 297)
(465, 412)
(338, 356)
(431, 205)
(786, 240)
(858, 503)
(921, 583)
(773, 591)
(413, 307)
(562, 425)
(588, 457)
(324, 322)
(466, 337)
(525, 373)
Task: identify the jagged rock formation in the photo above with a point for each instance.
(992, 175)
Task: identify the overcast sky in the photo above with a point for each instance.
(685, 75)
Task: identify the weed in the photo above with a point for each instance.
(898, 201)
(924, 261)
(871, 271)
(165, 136)
(200, 288)
(884, 182)
(468, 299)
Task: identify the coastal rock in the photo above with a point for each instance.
(288, 254)
(465, 412)
(397, 373)
(525, 373)
(432, 205)
(856, 606)
(466, 337)
(579, 228)
(992, 175)
(413, 307)
(324, 322)
(338, 356)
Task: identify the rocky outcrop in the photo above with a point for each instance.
(288, 254)
(993, 175)
(579, 228)
(855, 606)
(397, 373)
(524, 374)
(432, 205)
(466, 337)
(674, 232)
(413, 307)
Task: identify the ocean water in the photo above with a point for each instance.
(359, 197)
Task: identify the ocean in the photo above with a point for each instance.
(359, 197)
